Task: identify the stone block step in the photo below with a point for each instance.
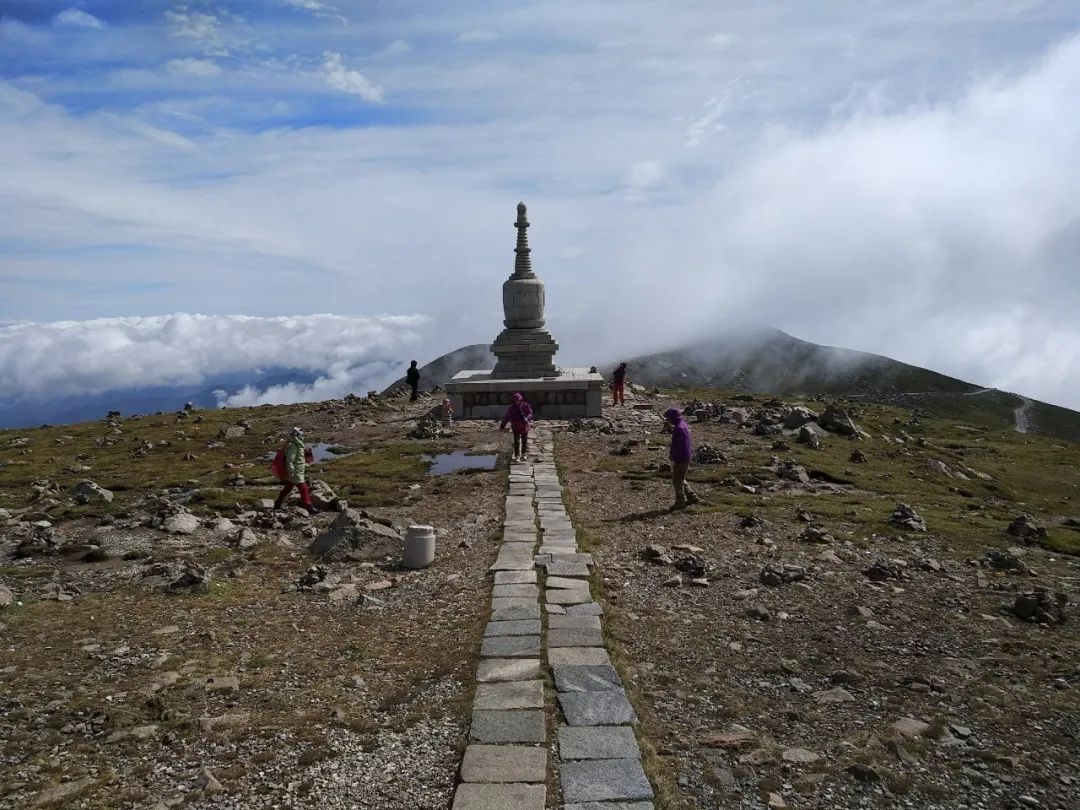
(597, 742)
(503, 763)
(610, 708)
(572, 637)
(490, 670)
(604, 780)
(521, 627)
(515, 577)
(578, 656)
(564, 622)
(517, 612)
(515, 591)
(510, 647)
(500, 797)
(500, 727)
(510, 695)
(602, 678)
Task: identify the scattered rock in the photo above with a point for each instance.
(798, 416)
(324, 497)
(180, 523)
(353, 531)
(816, 534)
(1026, 529)
(60, 593)
(906, 517)
(835, 695)
(673, 582)
(910, 728)
(1041, 607)
(791, 471)
(883, 570)
(1004, 561)
(709, 455)
(799, 756)
(658, 555)
(192, 576)
(7, 596)
(222, 683)
(857, 456)
(837, 420)
(86, 491)
(810, 435)
(246, 538)
(752, 522)
(733, 739)
(863, 773)
(62, 793)
(774, 574)
(232, 432)
(759, 613)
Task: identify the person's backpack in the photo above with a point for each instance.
(277, 466)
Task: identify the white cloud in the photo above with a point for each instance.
(199, 27)
(194, 68)
(398, 46)
(349, 81)
(706, 124)
(721, 41)
(478, 36)
(76, 18)
(86, 357)
(319, 9)
(643, 177)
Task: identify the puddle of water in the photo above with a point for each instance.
(447, 463)
(321, 451)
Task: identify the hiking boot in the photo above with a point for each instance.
(678, 505)
(692, 498)
(311, 510)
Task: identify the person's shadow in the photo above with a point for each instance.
(638, 516)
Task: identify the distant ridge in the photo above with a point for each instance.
(440, 370)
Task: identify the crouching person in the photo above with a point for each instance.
(680, 454)
(296, 472)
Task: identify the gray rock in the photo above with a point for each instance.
(246, 538)
(87, 491)
(565, 622)
(351, 531)
(584, 609)
(597, 742)
(524, 627)
(180, 523)
(578, 656)
(569, 637)
(7, 596)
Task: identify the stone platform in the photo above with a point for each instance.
(576, 393)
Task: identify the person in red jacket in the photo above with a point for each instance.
(519, 415)
(618, 385)
(680, 453)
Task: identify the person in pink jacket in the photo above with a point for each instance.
(519, 415)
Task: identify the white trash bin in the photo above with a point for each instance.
(419, 547)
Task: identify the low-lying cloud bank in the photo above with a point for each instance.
(66, 358)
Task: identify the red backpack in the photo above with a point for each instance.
(277, 466)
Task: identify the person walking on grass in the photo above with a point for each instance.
(296, 472)
(618, 385)
(519, 415)
(412, 377)
(680, 454)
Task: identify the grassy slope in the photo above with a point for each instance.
(1031, 474)
(767, 360)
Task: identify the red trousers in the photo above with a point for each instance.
(305, 493)
(618, 394)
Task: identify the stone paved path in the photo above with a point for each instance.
(598, 764)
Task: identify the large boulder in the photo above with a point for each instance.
(180, 523)
(837, 420)
(87, 491)
(799, 416)
(1026, 529)
(324, 497)
(353, 534)
(1041, 607)
(907, 518)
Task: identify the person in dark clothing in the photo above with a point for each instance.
(519, 415)
(681, 453)
(412, 377)
(618, 385)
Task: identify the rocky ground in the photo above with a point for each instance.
(838, 624)
(170, 642)
(864, 611)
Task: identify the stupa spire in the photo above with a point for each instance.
(522, 263)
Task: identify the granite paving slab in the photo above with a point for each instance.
(510, 647)
(604, 780)
(510, 695)
(512, 601)
(610, 708)
(586, 609)
(514, 613)
(565, 622)
(578, 656)
(608, 806)
(489, 670)
(561, 596)
(503, 726)
(511, 564)
(598, 742)
(505, 763)
(521, 627)
(595, 678)
(516, 591)
(515, 577)
(565, 582)
(567, 569)
(500, 797)
(571, 637)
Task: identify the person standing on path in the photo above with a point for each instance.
(618, 385)
(681, 453)
(412, 377)
(519, 415)
(296, 472)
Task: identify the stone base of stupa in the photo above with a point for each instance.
(576, 393)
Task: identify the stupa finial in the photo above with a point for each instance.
(522, 264)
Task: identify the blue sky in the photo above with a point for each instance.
(895, 177)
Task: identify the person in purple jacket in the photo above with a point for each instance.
(519, 415)
(680, 454)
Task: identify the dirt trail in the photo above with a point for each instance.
(1023, 422)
